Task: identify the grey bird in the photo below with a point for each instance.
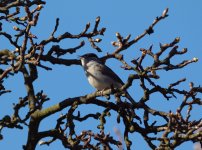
(101, 76)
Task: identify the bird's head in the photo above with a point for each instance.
(87, 58)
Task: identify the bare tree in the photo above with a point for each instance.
(29, 55)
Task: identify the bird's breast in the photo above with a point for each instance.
(97, 79)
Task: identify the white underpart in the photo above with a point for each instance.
(96, 78)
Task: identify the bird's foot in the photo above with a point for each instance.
(101, 92)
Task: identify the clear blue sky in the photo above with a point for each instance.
(126, 17)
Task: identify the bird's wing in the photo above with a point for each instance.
(108, 72)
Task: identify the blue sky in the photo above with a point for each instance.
(126, 17)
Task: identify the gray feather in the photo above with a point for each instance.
(108, 72)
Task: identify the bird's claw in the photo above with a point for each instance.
(101, 92)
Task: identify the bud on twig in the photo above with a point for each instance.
(39, 7)
(195, 59)
(102, 31)
(191, 85)
(88, 25)
(97, 40)
(144, 51)
(16, 49)
(128, 37)
(97, 19)
(16, 28)
(177, 39)
(115, 43)
(118, 35)
(41, 142)
(164, 14)
(184, 50)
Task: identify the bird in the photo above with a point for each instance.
(100, 76)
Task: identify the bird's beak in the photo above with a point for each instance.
(79, 57)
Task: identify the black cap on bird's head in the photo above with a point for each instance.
(88, 58)
(89, 55)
